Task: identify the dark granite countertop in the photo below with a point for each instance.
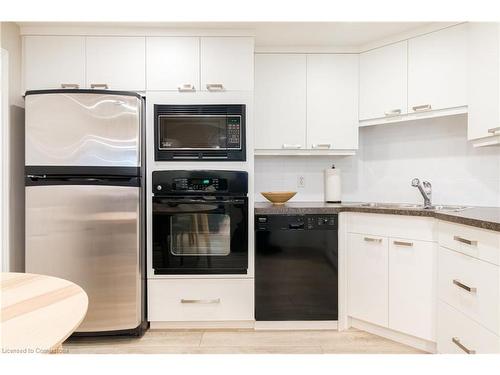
(481, 217)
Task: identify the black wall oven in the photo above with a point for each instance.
(200, 222)
(200, 132)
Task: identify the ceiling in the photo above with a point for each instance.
(319, 34)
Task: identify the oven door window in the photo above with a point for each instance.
(192, 132)
(200, 234)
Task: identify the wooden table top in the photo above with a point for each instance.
(39, 312)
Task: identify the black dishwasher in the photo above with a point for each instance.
(296, 267)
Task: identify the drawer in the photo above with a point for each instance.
(409, 227)
(478, 243)
(458, 272)
(457, 333)
(200, 300)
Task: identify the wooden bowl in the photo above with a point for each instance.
(278, 198)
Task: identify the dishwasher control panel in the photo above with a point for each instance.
(295, 222)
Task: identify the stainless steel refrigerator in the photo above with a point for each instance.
(84, 181)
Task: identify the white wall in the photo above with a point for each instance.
(13, 150)
(389, 157)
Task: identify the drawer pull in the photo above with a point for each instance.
(371, 239)
(201, 301)
(465, 287)
(403, 243)
(457, 342)
(186, 87)
(322, 145)
(465, 241)
(494, 130)
(394, 112)
(215, 87)
(70, 86)
(99, 85)
(288, 146)
(423, 107)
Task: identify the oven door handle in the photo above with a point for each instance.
(231, 201)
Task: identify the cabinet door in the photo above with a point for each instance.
(52, 61)
(483, 85)
(118, 62)
(368, 275)
(227, 63)
(383, 75)
(280, 101)
(437, 70)
(332, 101)
(413, 287)
(172, 62)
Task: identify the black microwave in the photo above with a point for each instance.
(211, 132)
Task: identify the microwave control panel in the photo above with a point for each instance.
(233, 132)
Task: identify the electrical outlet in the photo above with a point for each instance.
(301, 182)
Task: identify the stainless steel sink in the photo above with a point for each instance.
(443, 207)
(410, 206)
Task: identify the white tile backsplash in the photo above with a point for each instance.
(389, 156)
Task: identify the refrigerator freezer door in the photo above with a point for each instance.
(83, 129)
(89, 235)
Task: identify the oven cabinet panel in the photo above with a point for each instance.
(173, 63)
(200, 300)
(227, 63)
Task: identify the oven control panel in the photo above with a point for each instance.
(199, 184)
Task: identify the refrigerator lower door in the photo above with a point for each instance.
(89, 235)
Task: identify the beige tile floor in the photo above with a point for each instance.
(240, 342)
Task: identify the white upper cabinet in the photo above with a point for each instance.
(280, 101)
(383, 74)
(332, 101)
(173, 63)
(53, 61)
(437, 68)
(484, 83)
(227, 63)
(118, 62)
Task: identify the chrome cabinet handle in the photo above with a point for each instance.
(494, 130)
(321, 145)
(394, 112)
(201, 301)
(403, 243)
(465, 287)
(289, 146)
(465, 241)
(99, 85)
(186, 87)
(423, 107)
(371, 239)
(457, 342)
(215, 87)
(70, 86)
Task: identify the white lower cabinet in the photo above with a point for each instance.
(457, 334)
(367, 258)
(198, 300)
(471, 286)
(412, 287)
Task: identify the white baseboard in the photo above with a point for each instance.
(414, 342)
(236, 324)
(296, 325)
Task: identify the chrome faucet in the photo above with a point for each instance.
(425, 189)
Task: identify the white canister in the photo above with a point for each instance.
(333, 188)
